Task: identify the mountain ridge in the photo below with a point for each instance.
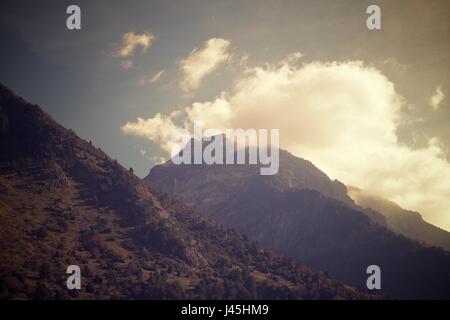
(324, 229)
(63, 202)
(405, 222)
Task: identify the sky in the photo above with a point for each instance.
(368, 107)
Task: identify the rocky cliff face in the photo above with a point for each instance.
(188, 182)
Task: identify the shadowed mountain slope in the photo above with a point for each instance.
(303, 213)
(65, 202)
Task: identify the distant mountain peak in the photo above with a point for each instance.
(405, 222)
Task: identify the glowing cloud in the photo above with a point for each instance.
(131, 40)
(158, 129)
(201, 62)
(437, 98)
(157, 76)
(342, 116)
(152, 79)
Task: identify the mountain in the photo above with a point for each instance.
(405, 222)
(302, 213)
(65, 202)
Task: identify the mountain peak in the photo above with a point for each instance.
(294, 174)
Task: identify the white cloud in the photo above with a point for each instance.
(157, 76)
(342, 116)
(437, 98)
(293, 58)
(152, 79)
(131, 40)
(201, 62)
(158, 129)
